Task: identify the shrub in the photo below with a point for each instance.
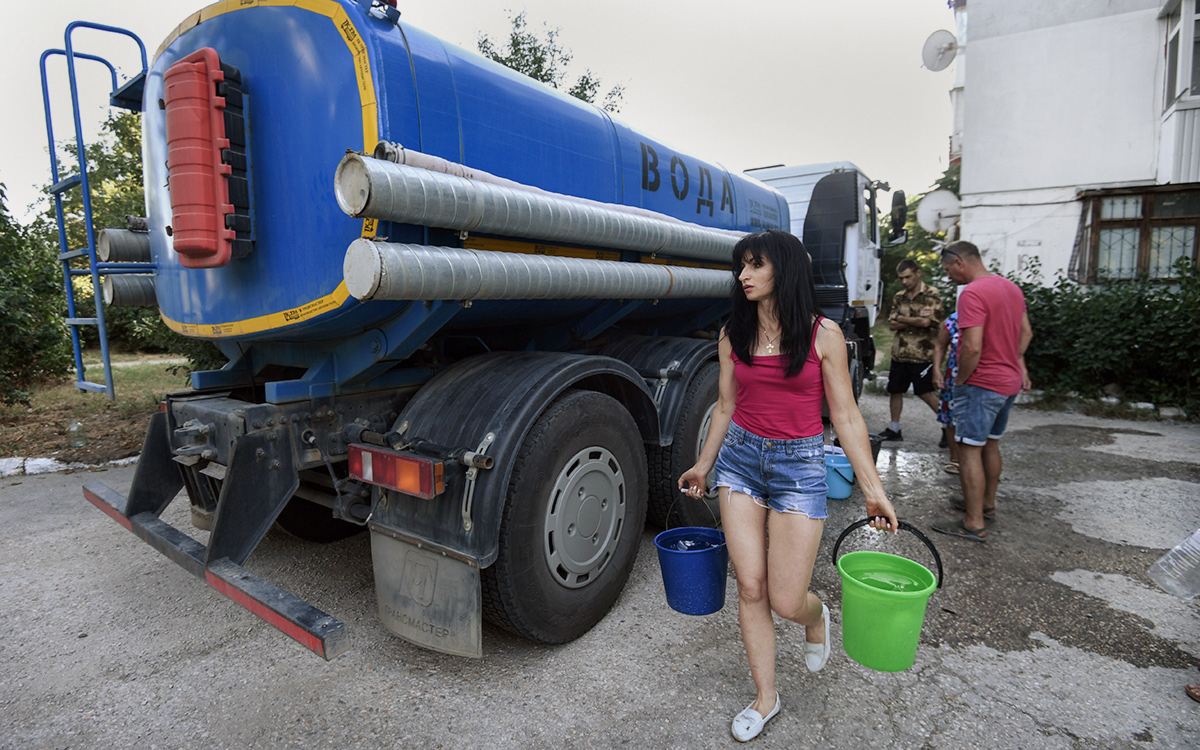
(33, 333)
(1140, 335)
(129, 329)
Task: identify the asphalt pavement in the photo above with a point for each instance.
(1050, 635)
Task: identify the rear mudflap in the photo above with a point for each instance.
(429, 595)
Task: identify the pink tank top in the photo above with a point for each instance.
(772, 406)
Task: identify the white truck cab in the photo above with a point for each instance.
(834, 211)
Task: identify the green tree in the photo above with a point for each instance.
(114, 162)
(922, 246)
(33, 336)
(543, 59)
(115, 175)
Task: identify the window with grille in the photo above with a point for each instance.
(1125, 235)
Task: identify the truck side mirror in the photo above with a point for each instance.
(899, 218)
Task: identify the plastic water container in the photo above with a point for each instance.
(1178, 572)
(883, 608)
(695, 564)
(884, 598)
(839, 475)
(76, 435)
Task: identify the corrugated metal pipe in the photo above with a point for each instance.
(379, 189)
(123, 246)
(129, 290)
(385, 271)
(398, 154)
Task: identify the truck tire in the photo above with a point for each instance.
(572, 521)
(857, 371)
(668, 507)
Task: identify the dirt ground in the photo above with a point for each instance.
(42, 433)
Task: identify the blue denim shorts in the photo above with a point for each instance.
(787, 476)
(980, 414)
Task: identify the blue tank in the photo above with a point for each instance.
(328, 77)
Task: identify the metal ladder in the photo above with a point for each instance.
(126, 96)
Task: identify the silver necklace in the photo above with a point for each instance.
(771, 340)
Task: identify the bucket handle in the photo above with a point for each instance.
(903, 525)
(850, 480)
(716, 519)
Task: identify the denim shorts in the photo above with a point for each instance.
(787, 476)
(980, 414)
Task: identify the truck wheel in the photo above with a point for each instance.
(572, 522)
(668, 506)
(856, 377)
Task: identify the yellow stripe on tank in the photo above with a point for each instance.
(307, 311)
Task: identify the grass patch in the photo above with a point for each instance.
(91, 357)
(138, 387)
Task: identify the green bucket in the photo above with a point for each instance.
(883, 603)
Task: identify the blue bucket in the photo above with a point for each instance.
(839, 475)
(694, 564)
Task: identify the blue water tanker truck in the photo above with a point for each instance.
(462, 311)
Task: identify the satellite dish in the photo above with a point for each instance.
(939, 50)
(939, 211)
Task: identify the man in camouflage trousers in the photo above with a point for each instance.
(916, 313)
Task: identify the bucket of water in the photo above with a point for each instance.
(839, 475)
(883, 603)
(694, 564)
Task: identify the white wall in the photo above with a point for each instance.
(1062, 96)
(1064, 104)
(1031, 224)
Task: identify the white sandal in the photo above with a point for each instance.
(749, 723)
(816, 654)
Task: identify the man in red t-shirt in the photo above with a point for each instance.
(994, 332)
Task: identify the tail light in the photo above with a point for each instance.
(403, 472)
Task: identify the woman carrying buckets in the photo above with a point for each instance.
(779, 358)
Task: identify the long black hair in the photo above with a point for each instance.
(794, 292)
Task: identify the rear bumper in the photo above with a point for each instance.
(322, 634)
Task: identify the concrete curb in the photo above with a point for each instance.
(15, 467)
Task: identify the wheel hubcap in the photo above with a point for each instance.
(585, 517)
